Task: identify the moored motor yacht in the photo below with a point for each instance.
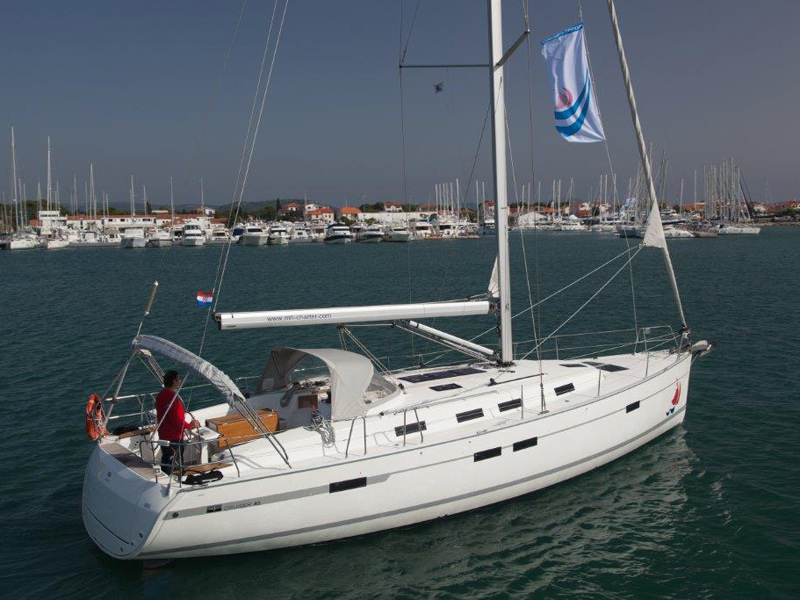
(253, 235)
(160, 239)
(278, 235)
(219, 235)
(193, 235)
(369, 234)
(338, 233)
(397, 233)
(133, 237)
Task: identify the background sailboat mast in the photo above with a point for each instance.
(49, 177)
(17, 220)
(648, 174)
(500, 184)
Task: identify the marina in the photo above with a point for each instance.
(569, 394)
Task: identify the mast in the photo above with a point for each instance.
(133, 206)
(14, 170)
(92, 196)
(497, 98)
(49, 176)
(648, 174)
(172, 211)
(202, 198)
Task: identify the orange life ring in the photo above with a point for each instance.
(95, 417)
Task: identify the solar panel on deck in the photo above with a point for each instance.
(419, 378)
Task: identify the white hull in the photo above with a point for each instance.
(253, 239)
(193, 242)
(397, 236)
(739, 230)
(56, 244)
(676, 233)
(160, 243)
(369, 237)
(130, 517)
(278, 240)
(24, 244)
(338, 240)
(134, 242)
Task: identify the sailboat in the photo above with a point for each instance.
(306, 457)
(133, 237)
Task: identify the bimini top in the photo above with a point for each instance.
(195, 364)
(355, 387)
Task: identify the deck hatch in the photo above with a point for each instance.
(410, 428)
(604, 366)
(348, 484)
(632, 407)
(491, 453)
(564, 389)
(460, 372)
(529, 443)
(510, 404)
(573, 365)
(469, 415)
(612, 368)
(445, 386)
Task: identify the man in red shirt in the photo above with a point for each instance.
(173, 419)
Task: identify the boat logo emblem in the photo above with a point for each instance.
(564, 98)
(675, 399)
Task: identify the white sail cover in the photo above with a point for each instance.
(192, 362)
(654, 233)
(576, 112)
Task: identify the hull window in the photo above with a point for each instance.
(350, 484)
(564, 389)
(632, 407)
(529, 443)
(483, 455)
(410, 428)
(510, 405)
(469, 415)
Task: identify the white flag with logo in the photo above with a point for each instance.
(577, 116)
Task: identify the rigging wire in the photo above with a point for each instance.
(538, 317)
(244, 173)
(582, 306)
(402, 55)
(596, 93)
(209, 112)
(549, 297)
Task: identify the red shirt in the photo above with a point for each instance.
(175, 422)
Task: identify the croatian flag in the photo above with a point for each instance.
(577, 116)
(205, 298)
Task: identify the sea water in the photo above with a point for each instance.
(710, 509)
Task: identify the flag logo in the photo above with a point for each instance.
(577, 119)
(675, 400)
(205, 298)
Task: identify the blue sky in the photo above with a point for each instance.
(128, 87)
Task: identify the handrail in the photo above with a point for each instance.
(352, 423)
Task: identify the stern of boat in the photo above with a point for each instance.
(120, 507)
